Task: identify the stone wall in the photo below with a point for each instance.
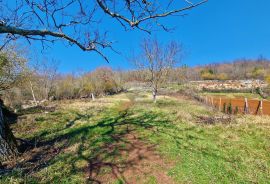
(229, 84)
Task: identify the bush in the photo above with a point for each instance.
(236, 111)
(229, 109)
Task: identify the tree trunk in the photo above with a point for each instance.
(8, 145)
(92, 96)
(155, 95)
(33, 94)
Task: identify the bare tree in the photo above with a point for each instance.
(52, 20)
(157, 60)
(45, 74)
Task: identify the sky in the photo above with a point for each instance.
(218, 31)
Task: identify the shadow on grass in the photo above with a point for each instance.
(104, 147)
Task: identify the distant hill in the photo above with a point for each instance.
(237, 70)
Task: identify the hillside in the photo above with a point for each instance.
(241, 69)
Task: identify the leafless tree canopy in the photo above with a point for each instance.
(79, 22)
(157, 60)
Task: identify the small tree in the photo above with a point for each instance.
(66, 87)
(11, 67)
(208, 74)
(157, 60)
(39, 79)
(103, 79)
(46, 72)
(258, 73)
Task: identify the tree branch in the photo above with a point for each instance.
(43, 33)
(135, 22)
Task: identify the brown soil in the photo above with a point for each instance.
(136, 162)
(34, 157)
(140, 163)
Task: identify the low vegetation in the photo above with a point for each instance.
(126, 138)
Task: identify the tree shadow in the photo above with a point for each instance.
(109, 147)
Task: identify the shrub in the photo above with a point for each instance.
(236, 111)
(229, 108)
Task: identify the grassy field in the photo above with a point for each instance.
(128, 139)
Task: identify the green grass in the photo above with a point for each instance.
(235, 153)
(238, 152)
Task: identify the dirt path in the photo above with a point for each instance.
(135, 162)
(120, 155)
(140, 164)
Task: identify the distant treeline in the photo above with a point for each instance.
(236, 70)
(42, 82)
(43, 86)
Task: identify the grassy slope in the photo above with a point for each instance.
(234, 153)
